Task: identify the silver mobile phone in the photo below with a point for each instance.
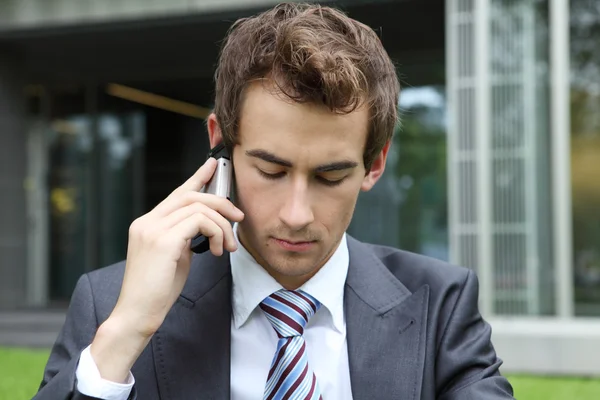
(220, 184)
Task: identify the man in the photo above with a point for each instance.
(285, 305)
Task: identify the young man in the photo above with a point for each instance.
(285, 305)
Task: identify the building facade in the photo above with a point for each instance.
(496, 165)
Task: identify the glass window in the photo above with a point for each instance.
(585, 154)
(407, 208)
(70, 145)
(95, 189)
(121, 138)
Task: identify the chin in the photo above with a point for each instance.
(292, 266)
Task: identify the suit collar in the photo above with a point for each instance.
(385, 321)
(192, 347)
(371, 281)
(206, 271)
(386, 325)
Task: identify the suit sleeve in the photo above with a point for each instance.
(59, 379)
(467, 367)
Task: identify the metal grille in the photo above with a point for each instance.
(497, 145)
(463, 139)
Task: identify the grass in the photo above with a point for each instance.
(551, 388)
(21, 372)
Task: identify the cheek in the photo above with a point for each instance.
(336, 207)
(253, 199)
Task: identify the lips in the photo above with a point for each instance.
(294, 245)
(295, 241)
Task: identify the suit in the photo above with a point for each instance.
(413, 331)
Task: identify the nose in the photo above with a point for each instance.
(297, 212)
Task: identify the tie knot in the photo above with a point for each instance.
(289, 311)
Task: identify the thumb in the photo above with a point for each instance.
(201, 176)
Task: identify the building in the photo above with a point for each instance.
(496, 167)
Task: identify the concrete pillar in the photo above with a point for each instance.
(13, 220)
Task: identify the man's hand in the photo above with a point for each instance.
(158, 264)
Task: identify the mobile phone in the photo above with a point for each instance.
(220, 184)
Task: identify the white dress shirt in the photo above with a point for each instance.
(253, 339)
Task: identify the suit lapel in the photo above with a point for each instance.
(192, 347)
(386, 326)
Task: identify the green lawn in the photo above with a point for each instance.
(540, 388)
(21, 371)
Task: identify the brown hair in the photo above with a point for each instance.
(312, 54)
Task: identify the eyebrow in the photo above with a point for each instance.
(273, 159)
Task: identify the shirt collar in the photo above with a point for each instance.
(252, 284)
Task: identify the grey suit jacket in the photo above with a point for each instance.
(414, 332)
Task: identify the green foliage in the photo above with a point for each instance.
(420, 143)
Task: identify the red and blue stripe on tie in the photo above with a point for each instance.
(290, 376)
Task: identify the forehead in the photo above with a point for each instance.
(272, 122)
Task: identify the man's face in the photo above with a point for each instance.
(299, 169)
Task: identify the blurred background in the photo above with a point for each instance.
(496, 165)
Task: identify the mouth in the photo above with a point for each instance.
(295, 245)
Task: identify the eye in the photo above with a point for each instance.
(330, 182)
(274, 176)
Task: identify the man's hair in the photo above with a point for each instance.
(312, 54)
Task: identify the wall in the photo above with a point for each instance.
(36, 13)
(13, 227)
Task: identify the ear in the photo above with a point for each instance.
(376, 170)
(214, 130)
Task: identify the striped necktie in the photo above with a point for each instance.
(290, 376)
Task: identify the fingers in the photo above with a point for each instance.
(220, 204)
(194, 183)
(189, 226)
(186, 212)
(181, 214)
